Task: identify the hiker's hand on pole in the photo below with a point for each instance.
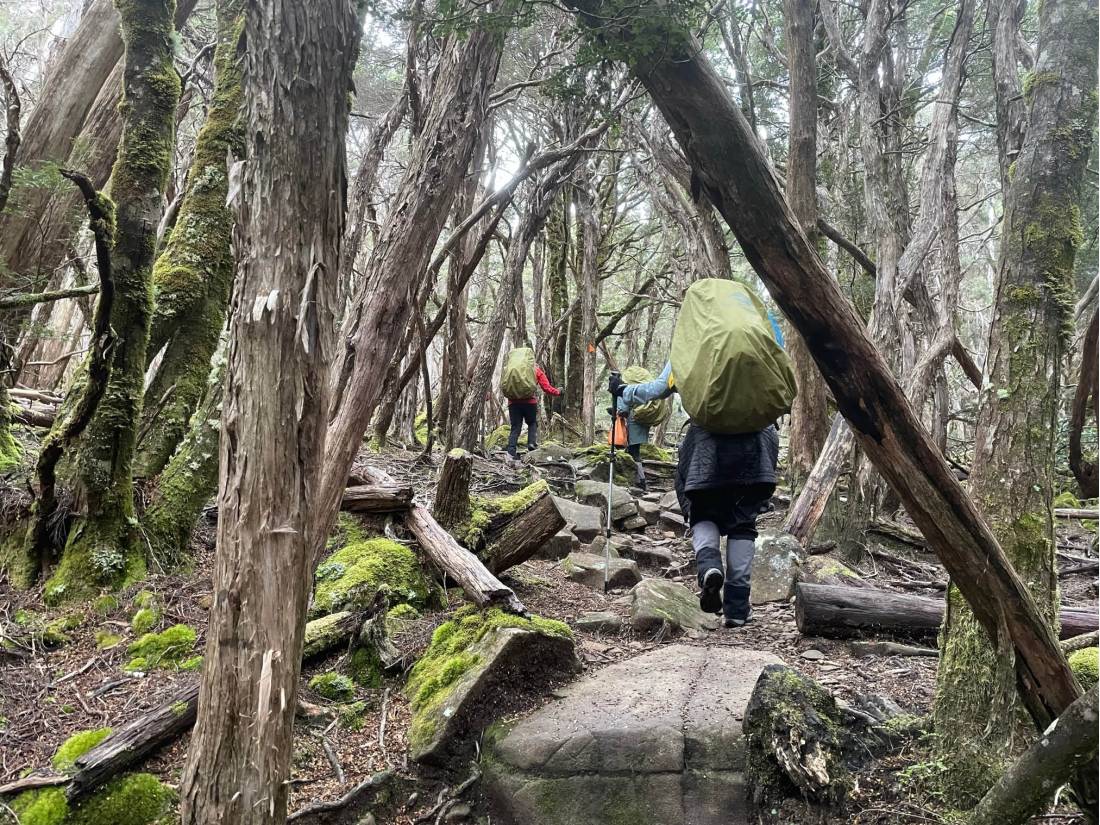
(615, 385)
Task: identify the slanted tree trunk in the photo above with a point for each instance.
(104, 546)
(193, 275)
(297, 71)
(731, 168)
(418, 210)
(1012, 476)
(589, 225)
(809, 413)
(1084, 471)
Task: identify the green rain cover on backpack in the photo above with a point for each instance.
(652, 413)
(731, 373)
(517, 379)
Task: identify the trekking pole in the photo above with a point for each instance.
(610, 490)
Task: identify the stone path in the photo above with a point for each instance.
(655, 739)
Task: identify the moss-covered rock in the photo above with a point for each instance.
(164, 650)
(462, 652)
(105, 605)
(651, 452)
(105, 639)
(352, 715)
(365, 667)
(333, 686)
(64, 759)
(598, 457)
(1084, 664)
(45, 807)
(350, 578)
(497, 439)
(133, 799)
(144, 621)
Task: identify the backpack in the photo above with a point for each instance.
(731, 373)
(517, 379)
(652, 413)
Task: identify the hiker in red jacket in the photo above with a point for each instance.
(526, 410)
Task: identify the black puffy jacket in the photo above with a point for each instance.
(708, 460)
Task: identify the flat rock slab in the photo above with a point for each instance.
(649, 510)
(670, 502)
(655, 739)
(775, 567)
(650, 555)
(558, 546)
(672, 523)
(657, 601)
(600, 622)
(582, 521)
(548, 454)
(587, 569)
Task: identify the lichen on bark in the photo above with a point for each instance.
(103, 548)
(193, 275)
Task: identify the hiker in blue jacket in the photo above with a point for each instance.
(723, 483)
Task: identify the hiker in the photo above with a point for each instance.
(726, 472)
(640, 419)
(518, 381)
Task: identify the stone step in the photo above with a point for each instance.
(655, 739)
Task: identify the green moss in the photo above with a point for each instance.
(105, 640)
(64, 759)
(167, 649)
(144, 620)
(349, 530)
(44, 807)
(1032, 80)
(56, 632)
(448, 658)
(497, 439)
(598, 456)
(403, 611)
(651, 452)
(333, 686)
(146, 599)
(352, 715)
(87, 567)
(484, 511)
(1085, 666)
(352, 576)
(1066, 499)
(179, 708)
(365, 667)
(420, 427)
(192, 664)
(10, 451)
(105, 605)
(132, 799)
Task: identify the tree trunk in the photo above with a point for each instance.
(452, 491)
(589, 225)
(194, 273)
(1084, 471)
(439, 160)
(1029, 785)
(1012, 478)
(731, 168)
(521, 535)
(104, 546)
(297, 70)
(839, 612)
(809, 419)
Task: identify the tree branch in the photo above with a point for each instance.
(25, 299)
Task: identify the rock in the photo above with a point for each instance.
(594, 493)
(351, 577)
(650, 555)
(827, 570)
(653, 497)
(548, 454)
(812, 655)
(621, 546)
(655, 739)
(458, 813)
(649, 510)
(633, 524)
(473, 661)
(367, 819)
(600, 622)
(587, 522)
(672, 523)
(775, 567)
(560, 545)
(670, 503)
(587, 569)
(656, 601)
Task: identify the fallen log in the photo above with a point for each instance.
(1030, 783)
(520, 536)
(377, 498)
(134, 740)
(456, 561)
(33, 416)
(838, 612)
(1084, 513)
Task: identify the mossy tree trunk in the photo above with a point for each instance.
(1013, 473)
(104, 547)
(194, 273)
(297, 72)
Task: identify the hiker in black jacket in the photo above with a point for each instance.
(723, 482)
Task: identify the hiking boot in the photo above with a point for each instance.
(731, 622)
(710, 600)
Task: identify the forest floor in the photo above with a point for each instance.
(50, 692)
